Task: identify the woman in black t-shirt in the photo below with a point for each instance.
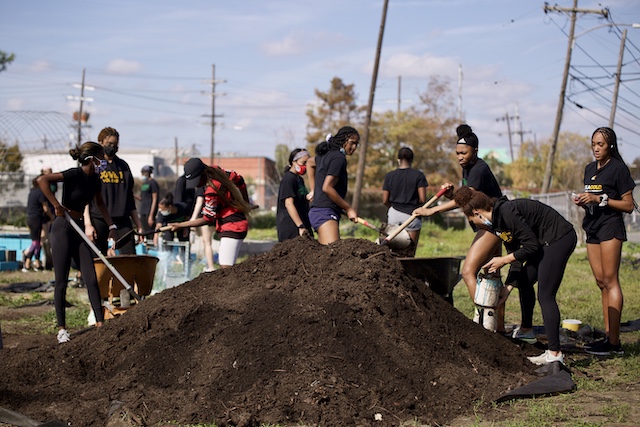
(81, 186)
(168, 212)
(476, 174)
(330, 184)
(292, 218)
(608, 192)
(404, 190)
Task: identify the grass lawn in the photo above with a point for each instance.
(608, 389)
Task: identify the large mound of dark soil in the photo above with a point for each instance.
(328, 335)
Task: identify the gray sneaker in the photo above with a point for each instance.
(63, 336)
(528, 336)
(546, 358)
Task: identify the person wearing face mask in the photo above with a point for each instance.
(539, 242)
(292, 218)
(81, 186)
(330, 180)
(148, 198)
(117, 194)
(170, 211)
(404, 190)
(477, 175)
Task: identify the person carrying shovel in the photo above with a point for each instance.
(81, 186)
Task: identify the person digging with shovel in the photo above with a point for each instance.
(81, 186)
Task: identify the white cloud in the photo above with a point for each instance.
(298, 42)
(40, 66)
(421, 66)
(122, 66)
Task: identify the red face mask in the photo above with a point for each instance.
(300, 169)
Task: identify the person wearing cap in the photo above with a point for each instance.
(330, 180)
(117, 194)
(148, 198)
(224, 206)
(292, 217)
(476, 174)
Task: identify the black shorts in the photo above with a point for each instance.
(609, 230)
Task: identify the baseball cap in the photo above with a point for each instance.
(192, 171)
(147, 168)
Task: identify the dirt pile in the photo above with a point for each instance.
(302, 334)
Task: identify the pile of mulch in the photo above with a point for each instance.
(305, 333)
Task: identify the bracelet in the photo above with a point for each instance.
(302, 226)
(604, 201)
(113, 227)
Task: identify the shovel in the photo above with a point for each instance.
(405, 224)
(96, 251)
(144, 233)
(401, 241)
(16, 419)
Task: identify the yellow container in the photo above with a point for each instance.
(571, 324)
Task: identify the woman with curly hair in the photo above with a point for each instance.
(539, 242)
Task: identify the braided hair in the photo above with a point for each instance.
(610, 138)
(337, 141)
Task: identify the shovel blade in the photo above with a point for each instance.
(401, 241)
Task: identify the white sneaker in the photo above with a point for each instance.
(63, 336)
(546, 358)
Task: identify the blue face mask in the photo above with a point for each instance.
(101, 167)
(343, 151)
(486, 222)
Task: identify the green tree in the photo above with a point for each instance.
(10, 157)
(426, 128)
(5, 59)
(335, 108)
(573, 154)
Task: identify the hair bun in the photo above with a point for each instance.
(463, 131)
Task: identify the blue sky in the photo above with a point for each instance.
(150, 62)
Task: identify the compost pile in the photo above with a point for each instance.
(305, 333)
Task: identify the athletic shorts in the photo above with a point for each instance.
(609, 230)
(318, 216)
(395, 217)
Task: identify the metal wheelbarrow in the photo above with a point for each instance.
(440, 274)
(138, 270)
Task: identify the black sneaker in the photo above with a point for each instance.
(596, 342)
(606, 349)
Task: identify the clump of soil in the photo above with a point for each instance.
(305, 333)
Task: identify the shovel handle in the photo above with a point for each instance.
(405, 224)
(371, 226)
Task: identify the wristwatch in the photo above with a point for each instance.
(604, 201)
(302, 226)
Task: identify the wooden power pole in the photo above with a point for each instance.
(546, 180)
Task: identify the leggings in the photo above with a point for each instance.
(35, 228)
(547, 270)
(66, 244)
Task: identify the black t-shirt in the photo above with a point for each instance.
(180, 215)
(480, 177)
(613, 179)
(147, 189)
(79, 189)
(333, 163)
(117, 190)
(292, 185)
(34, 203)
(402, 185)
(184, 194)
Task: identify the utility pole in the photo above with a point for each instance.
(460, 113)
(614, 103)
(506, 118)
(213, 116)
(399, 92)
(546, 180)
(175, 145)
(365, 140)
(80, 116)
